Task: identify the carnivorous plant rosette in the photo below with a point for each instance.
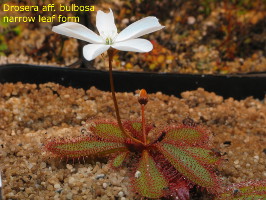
(162, 161)
(126, 40)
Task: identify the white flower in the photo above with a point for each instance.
(126, 40)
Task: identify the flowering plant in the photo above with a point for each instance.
(166, 161)
(169, 164)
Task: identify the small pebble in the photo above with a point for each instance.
(69, 196)
(121, 194)
(236, 162)
(100, 176)
(43, 165)
(70, 167)
(71, 180)
(104, 185)
(137, 174)
(57, 186)
(256, 157)
(59, 190)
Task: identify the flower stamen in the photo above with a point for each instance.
(109, 41)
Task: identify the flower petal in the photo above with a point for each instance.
(91, 51)
(136, 45)
(76, 30)
(105, 24)
(139, 28)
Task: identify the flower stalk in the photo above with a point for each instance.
(111, 53)
(143, 100)
(143, 125)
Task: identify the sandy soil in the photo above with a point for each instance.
(32, 114)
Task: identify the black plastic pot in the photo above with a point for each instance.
(237, 86)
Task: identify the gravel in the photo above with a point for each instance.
(32, 114)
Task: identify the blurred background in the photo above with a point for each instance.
(200, 36)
